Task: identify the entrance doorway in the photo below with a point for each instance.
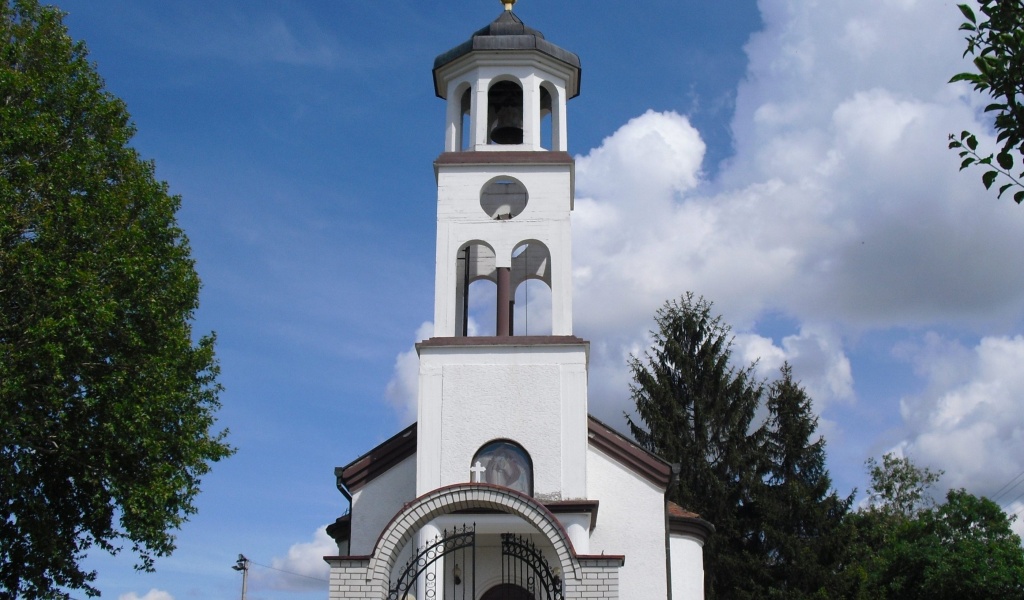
(507, 591)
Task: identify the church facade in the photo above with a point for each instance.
(505, 487)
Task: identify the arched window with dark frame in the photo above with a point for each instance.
(504, 463)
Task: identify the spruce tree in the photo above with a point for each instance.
(695, 409)
(802, 514)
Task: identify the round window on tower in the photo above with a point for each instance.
(503, 198)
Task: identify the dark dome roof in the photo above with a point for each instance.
(507, 33)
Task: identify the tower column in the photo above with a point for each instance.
(503, 322)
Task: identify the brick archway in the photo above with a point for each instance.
(467, 496)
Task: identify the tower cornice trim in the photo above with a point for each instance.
(514, 157)
(509, 340)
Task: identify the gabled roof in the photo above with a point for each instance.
(377, 461)
(627, 452)
(402, 445)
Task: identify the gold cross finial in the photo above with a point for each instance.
(508, 4)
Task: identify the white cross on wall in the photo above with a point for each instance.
(478, 472)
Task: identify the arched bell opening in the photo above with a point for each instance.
(482, 321)
(532, 309)
(552, 126)
(505, 113)
(475, 290)
(531, 280)
(465, 134)
(547, 140)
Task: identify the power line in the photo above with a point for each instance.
(290, 572)
(1008, 487)
(1019, 496)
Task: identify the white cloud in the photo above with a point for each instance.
(817, 354)
(303, 568)
(153, 594)
(970, 420)
(403, 387)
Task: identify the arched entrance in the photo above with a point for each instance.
(460, 498)
(507, 591)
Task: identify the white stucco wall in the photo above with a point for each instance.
(631, 522)
(533, 395)
(374, 505)
(687, 567)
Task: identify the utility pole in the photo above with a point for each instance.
(242, 565)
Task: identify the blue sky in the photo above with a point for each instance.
(784, 158)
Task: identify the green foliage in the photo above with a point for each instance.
(696, 410)
(899, 487)
(802, 515)
(765, 488)
(996, 44)
(107, 405)
(907, 547)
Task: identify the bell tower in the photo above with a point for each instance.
(504, 197)
(505, 180)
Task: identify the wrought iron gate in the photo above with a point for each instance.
(460, 544)
(523, 565)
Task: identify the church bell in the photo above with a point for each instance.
(505, 108)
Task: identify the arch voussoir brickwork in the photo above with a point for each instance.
(461, 497)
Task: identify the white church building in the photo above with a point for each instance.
(505, 487)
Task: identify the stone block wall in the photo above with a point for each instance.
(349, 578)
(600, 578)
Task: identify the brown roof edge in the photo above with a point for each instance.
(359, 558)
(609, 558)
(575, 506)
(505, 340)
(341, 529)
(616, 445)
(369, 466)
(520, 157)
(685, 522)
(698, 528)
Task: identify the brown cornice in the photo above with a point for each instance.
(507, 157)
(615, 445)
(357, 558)
(505, 340)
(379, 460)
(620, 559)
(341, 529)
(692, 527)
(560, 507)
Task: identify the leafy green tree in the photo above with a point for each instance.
(802, 515)
(899, 492)
(107, 404)
(909, 547)
(694, 409)
(961, 549)
(899, 487)
(996, 44)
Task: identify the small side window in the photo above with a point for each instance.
(503, 463)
